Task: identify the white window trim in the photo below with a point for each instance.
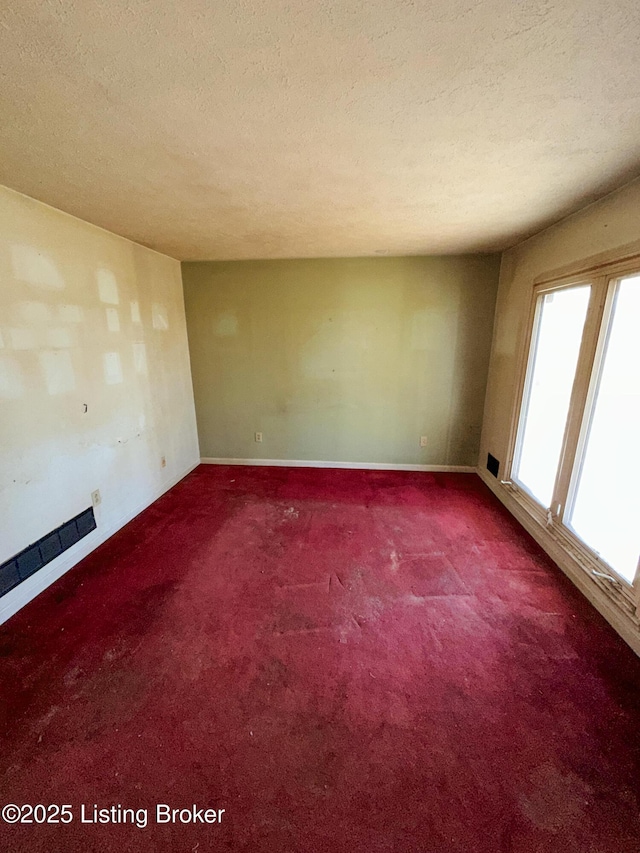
(600, 272)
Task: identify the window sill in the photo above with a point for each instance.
(614, 599)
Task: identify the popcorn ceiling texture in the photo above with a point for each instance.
(264, 128)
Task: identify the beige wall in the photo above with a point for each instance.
(86, 319)
(609, 223)
(346, 360)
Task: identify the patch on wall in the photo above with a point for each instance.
(339, 348)
(36, 268)
(226, 324)
(107, 287)
(36, 556)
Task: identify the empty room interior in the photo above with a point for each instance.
(319, 425)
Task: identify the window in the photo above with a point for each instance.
(556, 340)
(576, 453)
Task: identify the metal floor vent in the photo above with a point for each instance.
(33, 558)
(493, 466)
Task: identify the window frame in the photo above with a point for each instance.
(539, 292)
(602, 275)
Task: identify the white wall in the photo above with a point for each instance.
(87, 320)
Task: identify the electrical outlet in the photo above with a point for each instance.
(423, 441)
(95, 497)
(258, 436)
(163, 461)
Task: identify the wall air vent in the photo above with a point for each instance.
(33, 558)
(493, 466)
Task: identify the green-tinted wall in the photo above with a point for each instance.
(348, 360)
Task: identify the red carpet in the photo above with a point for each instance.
(342, 660)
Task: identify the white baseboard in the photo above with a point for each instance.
(570, 566)
(366, 466)
(38, 582)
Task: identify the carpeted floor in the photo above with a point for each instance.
(345, 661)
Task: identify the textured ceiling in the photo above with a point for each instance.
(298, 128)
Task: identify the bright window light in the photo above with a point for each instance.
(551, 372)
(606, 508)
